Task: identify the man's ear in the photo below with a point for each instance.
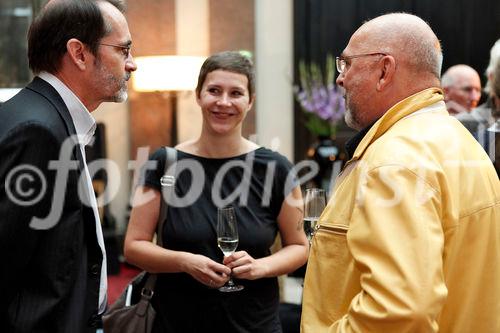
(446, 91)
(387, 74)
(77, 53)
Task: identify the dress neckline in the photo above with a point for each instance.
(221, 158)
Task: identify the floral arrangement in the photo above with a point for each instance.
(319, 97)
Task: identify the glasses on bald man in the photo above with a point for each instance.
(341, 62)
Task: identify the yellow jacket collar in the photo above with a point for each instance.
(400, 110)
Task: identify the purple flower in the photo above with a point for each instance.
(325, 102)
(319, 97)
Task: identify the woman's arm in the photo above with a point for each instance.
(291, 256)
(142, 252)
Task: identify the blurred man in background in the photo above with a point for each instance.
(481, 118)
(462, 89)
(494, 130)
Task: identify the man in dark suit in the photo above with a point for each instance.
(51, 246)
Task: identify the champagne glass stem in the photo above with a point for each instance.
(230, 282)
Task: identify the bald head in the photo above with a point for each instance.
(462, 88)
(407, 37)
(456, 73)
(387, 59)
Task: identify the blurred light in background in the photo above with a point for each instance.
(7, 93)
(166, 73)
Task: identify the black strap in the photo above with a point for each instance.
(167, 186)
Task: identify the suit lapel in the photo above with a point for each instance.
(46, 90)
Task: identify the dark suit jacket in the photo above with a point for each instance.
(49, 280)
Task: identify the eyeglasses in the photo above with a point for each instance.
(125, 49)
(341, 62)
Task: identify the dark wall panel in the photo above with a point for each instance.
(467, 30)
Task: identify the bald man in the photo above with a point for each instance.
(462, 89)
(409, 239)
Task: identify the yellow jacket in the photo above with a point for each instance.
(410, 240)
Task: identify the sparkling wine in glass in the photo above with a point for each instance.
(227, 240)
(315, 202)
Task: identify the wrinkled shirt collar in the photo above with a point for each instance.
(85, 124)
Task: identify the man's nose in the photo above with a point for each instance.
(476, 94)
(130, 65)
(340, 80)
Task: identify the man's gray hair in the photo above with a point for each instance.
(426, 54)
(495, 80)
(494, 60)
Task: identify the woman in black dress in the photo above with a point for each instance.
(257, 182)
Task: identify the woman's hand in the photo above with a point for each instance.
(291, 256)
(207, 271)
(244, 266)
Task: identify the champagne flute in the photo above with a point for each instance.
(227, 240)
(315, 202)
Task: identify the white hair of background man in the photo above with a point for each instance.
(494, 59)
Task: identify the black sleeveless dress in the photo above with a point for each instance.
(255, 184)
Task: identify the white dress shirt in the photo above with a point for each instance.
(85, 127)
